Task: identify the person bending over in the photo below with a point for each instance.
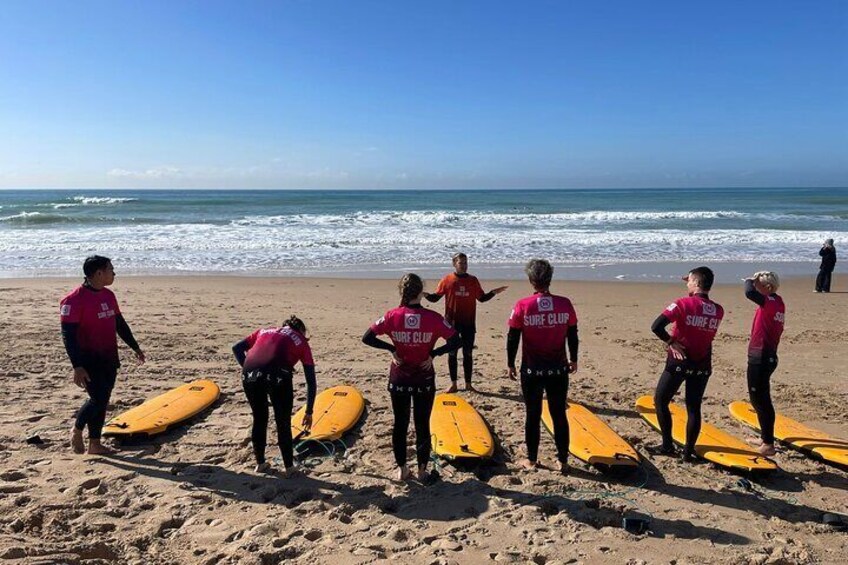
(267, 358)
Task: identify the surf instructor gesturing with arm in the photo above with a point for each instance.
(413, 331)
(462, 291)
(545, 322)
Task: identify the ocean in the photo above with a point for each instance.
(640, 234)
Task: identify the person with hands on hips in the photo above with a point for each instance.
(413, 331)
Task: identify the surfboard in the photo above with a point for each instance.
(713, 444)
(337, 409)
(458, 430)
(591, 439)
(156, 415)
(795, 434)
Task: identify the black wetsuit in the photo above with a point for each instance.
(761, 365)
(418, 398)
(537, 382)
(467, 333)
(828, 264)
(274, 382)
(102, 373)
(696, 375)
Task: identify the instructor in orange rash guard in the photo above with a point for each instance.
(461, 292)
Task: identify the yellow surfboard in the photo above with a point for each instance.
(591, 439)
(458, 430)
(337, 409)
(156, 415)
(804, 438)
(713, 444)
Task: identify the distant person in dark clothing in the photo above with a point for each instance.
(828, 263)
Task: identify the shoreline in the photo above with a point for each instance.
(637, 271)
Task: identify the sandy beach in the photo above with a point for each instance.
(190, 495)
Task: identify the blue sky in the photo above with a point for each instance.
(360, 94)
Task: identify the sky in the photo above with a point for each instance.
(436, 94)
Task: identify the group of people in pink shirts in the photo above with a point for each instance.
(543, 325)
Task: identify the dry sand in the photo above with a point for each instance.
(190, 496)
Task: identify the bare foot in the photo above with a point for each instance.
(564, 468)
(422, 472)
(263, 468)
(527, 465)
(767, 450)
(452, 389)
(291, 472)
(402, 473)
(97, 448)
(77, 443)
(470, 388)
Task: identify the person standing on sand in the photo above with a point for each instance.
(828, 263)
(413, 331)
(545, 321)
(696, 319)
(91, 320)
(267, 358)
(461, 292)
(766, 330)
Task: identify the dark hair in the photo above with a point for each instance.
(704, 276)
(410, 286)
(457, 256)
(539, 272)
(93, 264)
(295, 323)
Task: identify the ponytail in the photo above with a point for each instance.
(295, 323)
(410, 287)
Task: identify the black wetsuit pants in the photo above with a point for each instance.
(258, 387)
(99, 387)
(759, 391)
(466, 334)
(555, 386)
(422, 405)
(823, 280)
(695, 375)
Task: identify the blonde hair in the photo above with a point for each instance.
(767, 278)
(409, 287)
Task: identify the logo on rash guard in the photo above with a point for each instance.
(552, 319)
(292, 335)
(412, 321)
(546, 303)
(65, 310)
(447, 324)
(105, 312)
(460, 291)
(709, 309)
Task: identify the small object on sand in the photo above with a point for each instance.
(835, 521)
(35, 439)
(636, 524)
